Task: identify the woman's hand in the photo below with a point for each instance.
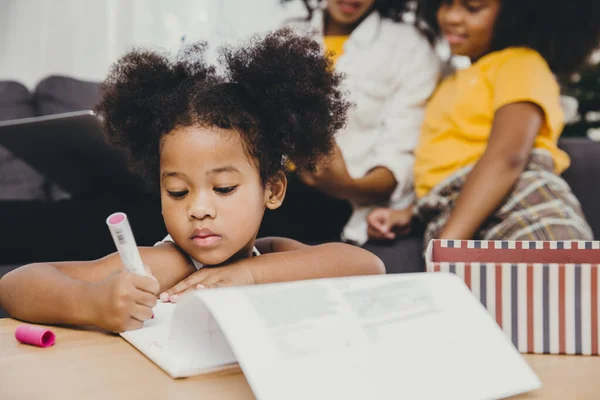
(386, 223)
(123, 300)
(234, 274)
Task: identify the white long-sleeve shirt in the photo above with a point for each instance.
(391, 70)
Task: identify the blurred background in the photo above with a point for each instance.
(80, 39)
(54, 54)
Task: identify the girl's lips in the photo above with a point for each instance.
(454, 39)
(206, 241)
(348, 7)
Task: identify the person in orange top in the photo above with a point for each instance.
(487, 165)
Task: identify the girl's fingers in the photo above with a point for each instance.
(378, 235)
(174, 298)
(141, 313)
(188, 283)
(133, 324)
(146, 299)
(379, 219)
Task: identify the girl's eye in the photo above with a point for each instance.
(177, 195)
(473, 6)
(225, 190)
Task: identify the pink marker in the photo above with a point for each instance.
(119, 227)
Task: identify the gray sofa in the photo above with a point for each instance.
(72, 226)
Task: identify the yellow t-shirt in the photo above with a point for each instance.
(458, 119)
(335, 45)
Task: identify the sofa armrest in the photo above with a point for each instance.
(61, 94)
(584, 176)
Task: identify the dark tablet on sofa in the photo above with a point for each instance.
(70, 150)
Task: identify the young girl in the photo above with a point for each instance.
(214, 145)
(487, 164)
(390, 71)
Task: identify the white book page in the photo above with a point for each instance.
(386, 337)
(152, 339)
(182, 341)
(196, 340)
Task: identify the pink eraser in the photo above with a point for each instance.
(35, 335)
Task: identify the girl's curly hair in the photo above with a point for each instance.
(278, 92)
(563, 32)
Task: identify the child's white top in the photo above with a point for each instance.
(390, 71)
(198, 264)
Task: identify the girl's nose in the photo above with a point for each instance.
(201, 207)
(451, 14)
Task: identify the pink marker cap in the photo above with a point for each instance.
(35, 335)
(115, 218)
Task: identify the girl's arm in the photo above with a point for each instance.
(284, 260)
(95, 292)
(290, 260)
(513, 133)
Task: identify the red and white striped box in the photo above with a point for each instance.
(544, 295)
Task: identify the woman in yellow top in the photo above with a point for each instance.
(487, 165)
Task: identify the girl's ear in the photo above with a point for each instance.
(275, 192)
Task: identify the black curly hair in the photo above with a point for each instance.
(564, 32)
(278, 92)
(393, 9)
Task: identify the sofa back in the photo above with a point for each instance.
(584, 176)
(52, 95)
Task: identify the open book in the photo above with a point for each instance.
(381, 337)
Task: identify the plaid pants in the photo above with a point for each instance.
(540, 206)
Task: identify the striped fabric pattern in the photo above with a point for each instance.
(550, 308)
(520, 245)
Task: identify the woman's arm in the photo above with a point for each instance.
(284, 260)
(95, 292)
(333, 179)
(513, 133)
(375, 187)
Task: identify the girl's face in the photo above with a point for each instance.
(348, 12)
(468, 25)
(212, 195)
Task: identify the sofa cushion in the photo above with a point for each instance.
(15, 101)
(399, 256)
(584, 176)
(59, 94)
(17, 179)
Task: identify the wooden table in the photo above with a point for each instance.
(91, 364)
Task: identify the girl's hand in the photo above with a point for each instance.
(123, 301)
(386, 223)
(235, 274)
